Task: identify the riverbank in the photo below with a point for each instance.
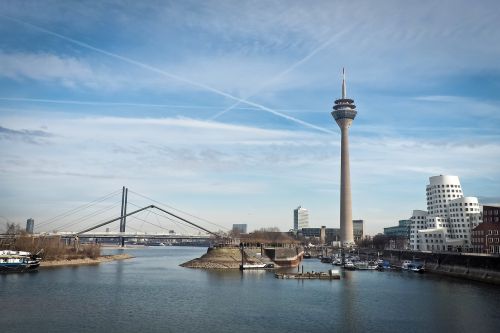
(84, 261)
(466, 266)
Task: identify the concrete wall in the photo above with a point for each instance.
(472, 267)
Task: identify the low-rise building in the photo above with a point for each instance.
(330, 234)
(402, 230)
(491, 213)
(486, 238)
(240, 228)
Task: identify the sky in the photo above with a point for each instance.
(222, 108)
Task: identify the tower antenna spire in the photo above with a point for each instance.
(344, 94)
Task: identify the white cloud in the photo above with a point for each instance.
(68, 71)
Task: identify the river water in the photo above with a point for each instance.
(151, 293)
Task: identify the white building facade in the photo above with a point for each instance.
(300, 218)
(449, 219)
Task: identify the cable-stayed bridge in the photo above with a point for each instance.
(157, 221)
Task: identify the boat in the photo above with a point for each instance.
(407, 265)
(256, 266)
(337, 262)
(418, 269)
(327, 260)
(307, 255)
(18, 261)
(365, 265)
(384, 265)
(349, 265)
(413, 266)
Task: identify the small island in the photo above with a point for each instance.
(55, 252)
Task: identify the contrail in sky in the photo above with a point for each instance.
(168, 74)
(68, 101)
(283, 73)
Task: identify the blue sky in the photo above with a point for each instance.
(222, 108)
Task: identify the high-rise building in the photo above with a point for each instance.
(357, 230)
(30, 226)
(449, 219)
(300, 218)
(344, 113)
(240, 228)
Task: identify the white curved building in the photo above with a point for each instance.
(449, 219)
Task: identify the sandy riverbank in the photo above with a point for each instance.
(85, 261)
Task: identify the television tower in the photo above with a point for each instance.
(344, 113)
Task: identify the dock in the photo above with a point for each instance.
(330, 275)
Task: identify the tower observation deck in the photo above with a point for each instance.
(344, 112)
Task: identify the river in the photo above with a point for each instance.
(151, 293)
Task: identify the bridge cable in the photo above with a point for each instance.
(158, 202)
(169, 218)
(88, 216)
(76, 209)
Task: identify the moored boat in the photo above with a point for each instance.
(327, 260)
(256, 266)
(418, 269)
(18, 261)
(365, 265)
(349, 265)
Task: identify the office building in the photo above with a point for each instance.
(449, 219)
(357, 230)
(300, 218)
(30, 226)
(402, 230)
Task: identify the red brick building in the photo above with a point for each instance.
(491, 214)
(486, 238)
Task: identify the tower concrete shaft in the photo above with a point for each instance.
(346, 227)
(344, 113)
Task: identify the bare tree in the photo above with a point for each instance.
(13, 228)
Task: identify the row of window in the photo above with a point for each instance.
(442, 186)
(443, 191)
(488, 240)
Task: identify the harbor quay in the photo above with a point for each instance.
(468, 266)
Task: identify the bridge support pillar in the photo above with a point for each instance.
(123, 219)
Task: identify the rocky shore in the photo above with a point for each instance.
(84, 261)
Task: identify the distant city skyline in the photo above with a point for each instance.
(223, 109)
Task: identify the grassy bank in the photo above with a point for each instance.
(84, 261)
(51, 248)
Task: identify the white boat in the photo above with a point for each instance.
(365, 265)
(407, 265)
(18, 261)
(256, 266)
(349, 265)
(337, 262)
(418, 269)
(414, 266)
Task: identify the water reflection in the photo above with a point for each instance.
(153, 293)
